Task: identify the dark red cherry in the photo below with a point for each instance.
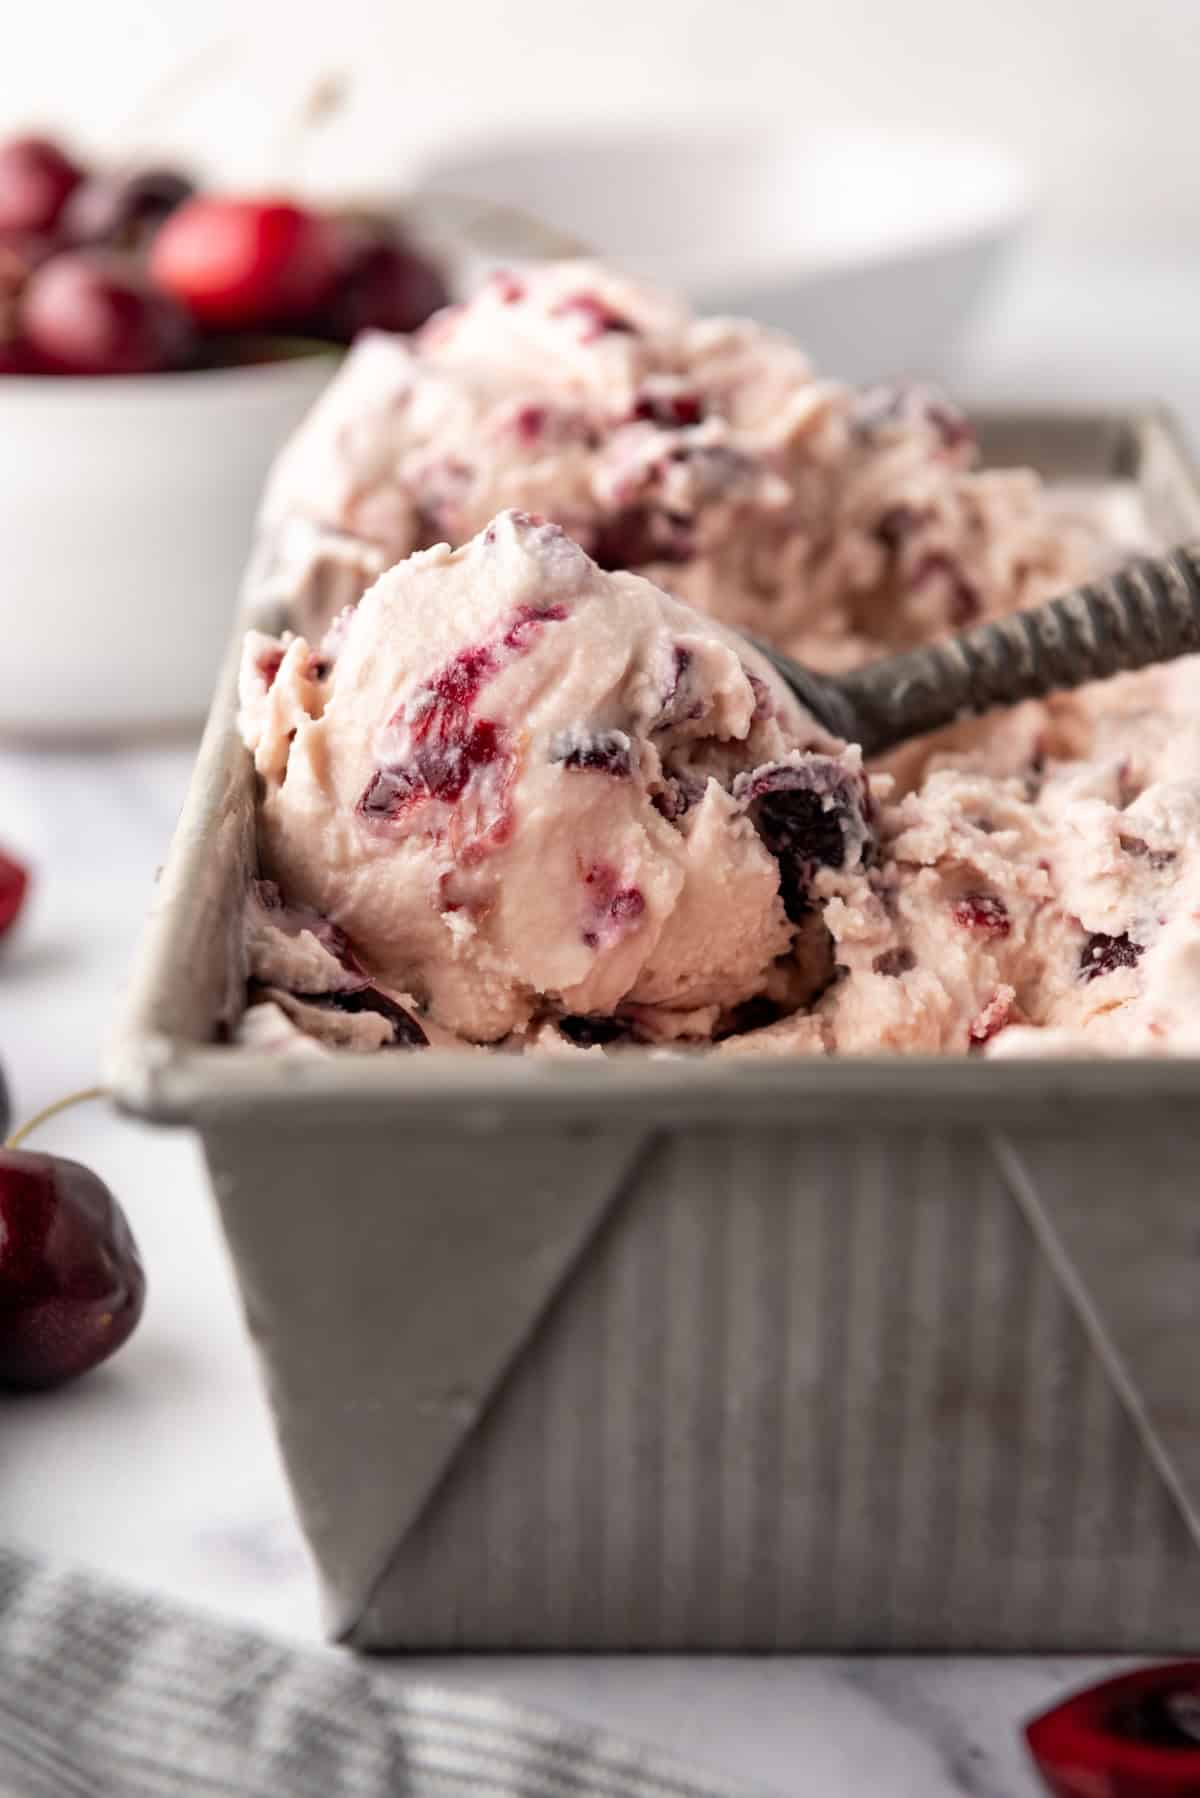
(122, 211)
(71, 1282)
(16, 358)
(14, 884)
(93, 312)
(1103, 954)
(984, 912)
(808, 814)
(245, 265)
(381, 284)
(20, 253)
(1136, 1736)
(36, 180)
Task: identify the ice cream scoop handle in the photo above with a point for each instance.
(1147, 611)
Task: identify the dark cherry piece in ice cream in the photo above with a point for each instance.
(809, 814)
(1136, 1736)
(672, 411)
(1103, 954)
(71, 1283)
(639, 534)
(603, 752)
(593, 315)
(984, 912)
(588, 1032)
(406, 1032)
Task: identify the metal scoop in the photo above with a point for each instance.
(1148, 611)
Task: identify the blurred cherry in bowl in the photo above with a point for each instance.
(95, 312)
(37, 178)
(157, 345)
(245, 264)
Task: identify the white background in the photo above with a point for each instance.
(1099, 95)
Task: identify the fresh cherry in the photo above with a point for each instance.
(92, 312)
(245, 264)
(20, 253)
(36, 180)
(16, 358)
(381, 284)
(123, 211)
(1136, 1736)
(71, 1283)
(14, 884)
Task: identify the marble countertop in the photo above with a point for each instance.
(161, 1468)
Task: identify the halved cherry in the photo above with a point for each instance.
(1136, 1736)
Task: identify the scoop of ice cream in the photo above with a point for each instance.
(524, 788)
(551, 805)
(702, 452)
(1051, 910)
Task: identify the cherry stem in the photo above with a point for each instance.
(49, 1111)
(322, 101)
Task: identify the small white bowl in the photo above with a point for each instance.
(871, 247)
(126, 509)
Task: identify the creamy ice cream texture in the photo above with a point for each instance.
(521, 797)
(703, 453)
(527, 790)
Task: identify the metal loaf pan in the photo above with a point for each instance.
(887, 1354)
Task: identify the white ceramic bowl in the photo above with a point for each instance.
(126, 507)
(870, 247)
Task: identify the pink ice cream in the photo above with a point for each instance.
(1053, 909)
(523, 793)
(703, 453)
(520, 798)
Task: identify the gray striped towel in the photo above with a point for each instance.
(108, 1693)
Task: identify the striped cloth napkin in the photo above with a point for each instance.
(106, 1693)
